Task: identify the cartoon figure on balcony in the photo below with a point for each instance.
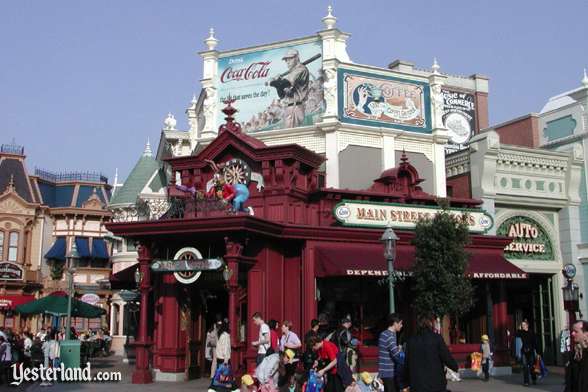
(230, 184)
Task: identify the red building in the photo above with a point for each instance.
(297, 258)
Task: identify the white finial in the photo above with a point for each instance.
(115, 176)
(435, 67)
(211, 42)
(329, 21)
(169, 124)
(194, 99)
(147, 152)
(585, 79)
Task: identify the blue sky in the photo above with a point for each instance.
(83, 84)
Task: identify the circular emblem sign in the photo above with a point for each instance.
(459, 128)
(343, 212)
(187, 277)
(569, 271)
(90, 298)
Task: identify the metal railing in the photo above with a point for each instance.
(71, 176)
(12, 149)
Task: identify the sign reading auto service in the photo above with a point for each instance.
(274, 88)
(401, 216)
(530, 240)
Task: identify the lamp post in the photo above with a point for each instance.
(72, 258)
(571, 293)
(389, 239)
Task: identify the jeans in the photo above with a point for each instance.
(486, 368)
(528, 364)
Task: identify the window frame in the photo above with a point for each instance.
(10, 246)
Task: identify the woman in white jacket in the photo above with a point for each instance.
(223, 344)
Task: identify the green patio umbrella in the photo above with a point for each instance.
(56, 305)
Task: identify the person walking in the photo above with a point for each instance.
(274, 337)
(426, 358)
(210, 348)
(289, 339)
(327, 354)
(577, 367)
(389, 352)
(528, 352)
(223, 345)
(486, 356)
(263, 342)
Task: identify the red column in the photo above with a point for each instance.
(234, 251)
(142, 373)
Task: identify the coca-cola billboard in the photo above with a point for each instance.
(275, 88)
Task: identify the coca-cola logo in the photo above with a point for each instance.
(257, 70)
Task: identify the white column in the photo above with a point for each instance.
(439, 168)
(112, 316)
(332, 165)
(388, 152)
(121, 319)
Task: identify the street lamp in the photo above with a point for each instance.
(389, 239)
(571, 293)
(72, 260)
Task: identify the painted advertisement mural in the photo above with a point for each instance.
(459, 115)
(274, 88)
(377, 100)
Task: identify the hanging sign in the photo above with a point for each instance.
(530, 240)
(90, 298)
(186, 265)
(401, 216)
(11, 271)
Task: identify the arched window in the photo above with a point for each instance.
(13, 246)
(1, 245)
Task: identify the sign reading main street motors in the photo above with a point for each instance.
(530, 240)
(186, 265)
(401, 216)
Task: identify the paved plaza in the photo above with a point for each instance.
(552, 383)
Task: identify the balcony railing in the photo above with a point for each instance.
(71, 176)
(12, 149)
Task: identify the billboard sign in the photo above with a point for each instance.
(459, 115)
(384, 101)
(274, 88)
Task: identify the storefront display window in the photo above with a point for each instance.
(365, 300)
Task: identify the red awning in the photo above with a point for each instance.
(12, 301)
(368, 260)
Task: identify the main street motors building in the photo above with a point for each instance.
(330, 151)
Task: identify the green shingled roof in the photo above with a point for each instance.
(136, 181)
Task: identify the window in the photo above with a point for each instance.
(131, 245)
(1, 245)
(13, 246)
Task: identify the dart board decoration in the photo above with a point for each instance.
(187, 277)
(236, 171)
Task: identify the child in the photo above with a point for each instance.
(486, 355)
(247, 384)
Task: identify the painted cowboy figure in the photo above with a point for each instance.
(292, 88)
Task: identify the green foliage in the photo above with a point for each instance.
(440, 284)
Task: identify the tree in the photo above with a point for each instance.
(440, 284)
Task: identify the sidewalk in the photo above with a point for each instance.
(552, 383)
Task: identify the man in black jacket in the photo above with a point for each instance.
(577, 368)
(528, 352)
(426, 358)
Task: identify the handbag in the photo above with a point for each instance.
(537, 365)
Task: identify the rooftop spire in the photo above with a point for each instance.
(435, 67)
(211, 42)
(147, 152)
(585, 79)
(329, 21)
